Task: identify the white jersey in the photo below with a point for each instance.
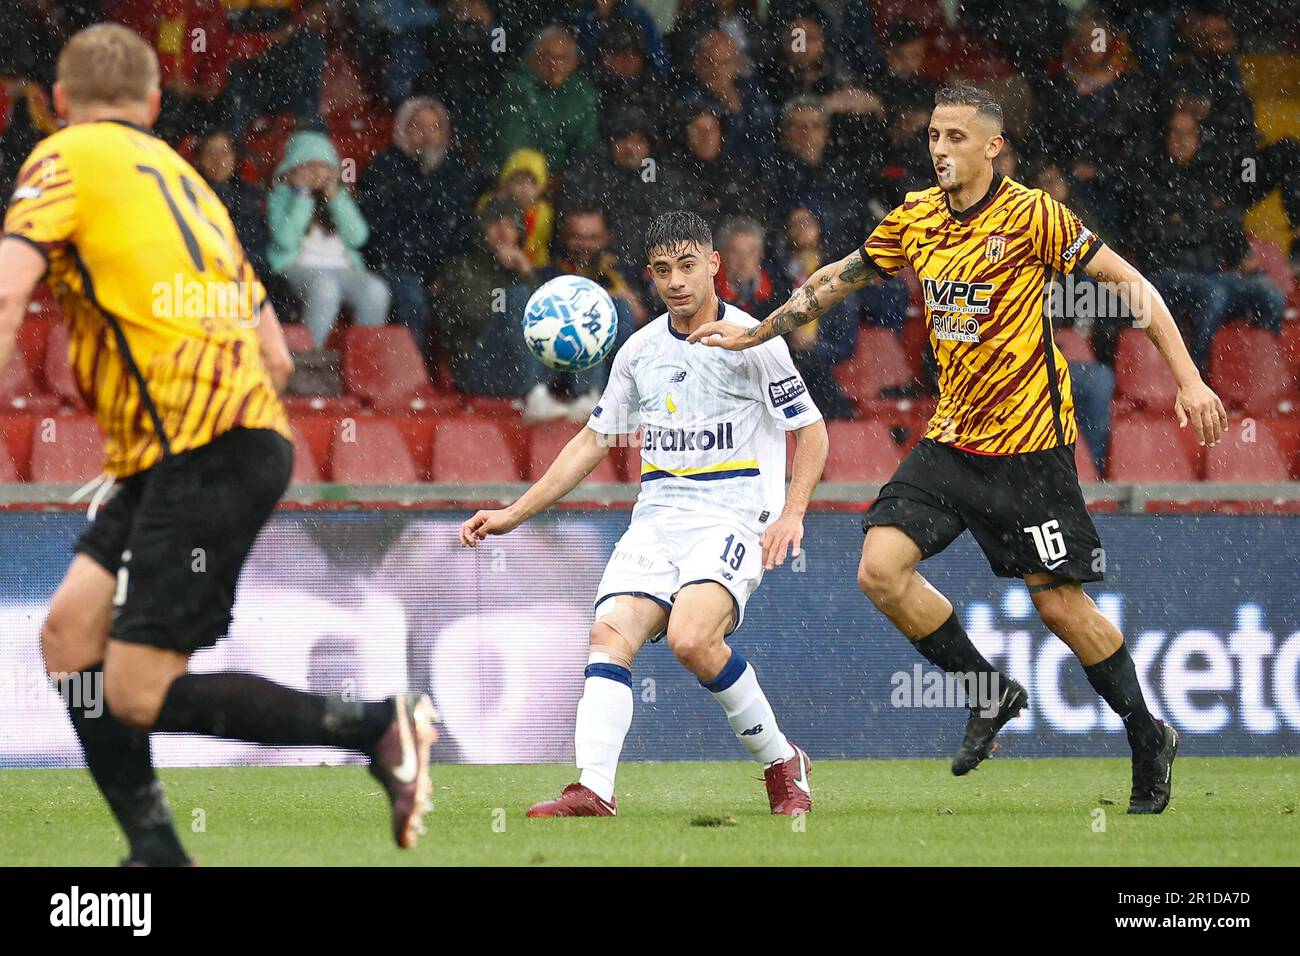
(712, 421)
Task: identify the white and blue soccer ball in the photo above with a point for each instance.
(570, 324)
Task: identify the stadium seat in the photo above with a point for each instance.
(1247, 368)
(59, 379)
(1149, 449)
(383, 366)
(305, 467)
(8, 468)
(32, 337)
(297, 337)
(861, 451)
(1290, 347)
(316, 405)
(371, 450)
(1249, 452)
(1083, 462)
(545, 443)
(1074, 346)
(878, 362)
(469, 449)
(19, 391)
(67, 449)
(1142, 380)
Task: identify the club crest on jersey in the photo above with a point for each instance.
(995, 247)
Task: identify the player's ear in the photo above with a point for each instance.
(60, 100)
(715, 262)
(154, 106)
(995, 146)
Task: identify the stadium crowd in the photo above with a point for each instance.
(404, 161)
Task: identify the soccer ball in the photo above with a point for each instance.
(570, 324)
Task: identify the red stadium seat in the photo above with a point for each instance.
(316, 432)
(58, 374)
(8, 469)
(371, 450)
(545, 444)
(1074, 346)
(67, 449)
(305, 468)
(1274, 264)
(878, 362)
(316, 405)
(1149, 449)
(1083, 462)
(1249, 452)
(384, 367)
(32, 337)
(19, 391)
(1142, 380)
(1247, 368)
(297, 337)
(468, 449)
(861, 451)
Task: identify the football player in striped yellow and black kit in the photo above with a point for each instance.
(179, 358)
(998, 455)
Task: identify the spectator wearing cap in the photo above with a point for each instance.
(416, 197)
(548, 105)
(622, 74)
(716, 80)
(316, 232)
(718, 187)
(523, 180)
(593, 15)
(630, 183)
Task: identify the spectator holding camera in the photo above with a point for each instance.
(316, 231)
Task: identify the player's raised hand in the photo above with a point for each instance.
(1199, 405)
(782, 535)
(486, 523)
(723, 335)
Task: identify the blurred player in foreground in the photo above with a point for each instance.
(180, 359)
(998, 455)
(712, 514)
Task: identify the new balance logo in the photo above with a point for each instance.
(752, 731)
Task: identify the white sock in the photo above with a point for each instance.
(604, 716)
(748, 711)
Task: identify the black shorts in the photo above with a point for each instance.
(176, 536)
(1026, 511)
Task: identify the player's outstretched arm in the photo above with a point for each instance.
(575, 462)
(811, 445)
(21, 267)
(1196, 402)
(275, 351)
(825, 288)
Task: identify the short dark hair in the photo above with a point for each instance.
(966, 94)
(677, 230)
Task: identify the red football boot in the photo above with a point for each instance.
(575, 801)
(788, 788)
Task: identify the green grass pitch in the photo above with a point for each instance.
(1235, 811)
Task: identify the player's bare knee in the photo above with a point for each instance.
(1054, 611)
(691, 644)
(606, 638)
(131, 698)
(64, 643)
(882, 581)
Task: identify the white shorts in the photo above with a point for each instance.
(661, 553)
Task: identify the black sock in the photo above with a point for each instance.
(951, 649)
(118, 759)
(1116, 680)
(247, 707)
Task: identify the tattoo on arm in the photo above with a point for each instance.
(856, 270)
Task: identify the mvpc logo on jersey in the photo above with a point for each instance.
(995, 247)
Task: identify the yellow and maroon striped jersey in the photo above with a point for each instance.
(161, 303)
(1004, 387)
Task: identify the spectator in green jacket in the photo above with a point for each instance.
(316, 231)
(548, 105)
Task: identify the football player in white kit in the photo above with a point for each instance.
(713, 513)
